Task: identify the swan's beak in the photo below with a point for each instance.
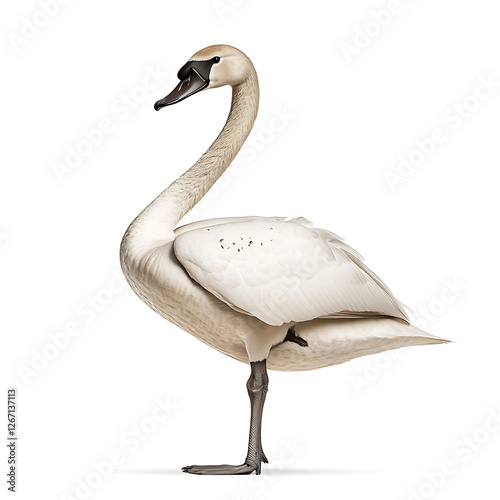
(193, 83)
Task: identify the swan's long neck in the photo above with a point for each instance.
(155, 224)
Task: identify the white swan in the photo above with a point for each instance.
(264, 290)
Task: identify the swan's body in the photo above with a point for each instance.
(161, 280)
(261, 290)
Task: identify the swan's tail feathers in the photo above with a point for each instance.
(426, 338)
(335, 341)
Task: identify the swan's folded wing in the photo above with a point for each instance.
(283, 271)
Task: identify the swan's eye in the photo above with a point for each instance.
(216, 59)
(184, 84)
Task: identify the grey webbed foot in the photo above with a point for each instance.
(248, 467)
(221, 470)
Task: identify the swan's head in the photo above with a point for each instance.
(209, 68)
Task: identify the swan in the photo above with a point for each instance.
(271, 292)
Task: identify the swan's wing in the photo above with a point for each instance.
(283, 271)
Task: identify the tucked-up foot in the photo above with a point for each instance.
(291, 336)
(221, 470)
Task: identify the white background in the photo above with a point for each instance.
(377, 427)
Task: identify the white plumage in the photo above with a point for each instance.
(238, 284)
(267, 291)
(283, 271)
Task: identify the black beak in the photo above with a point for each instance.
(193, 83)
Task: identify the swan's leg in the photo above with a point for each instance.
(257, 389)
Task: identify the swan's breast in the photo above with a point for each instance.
(164, 285)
